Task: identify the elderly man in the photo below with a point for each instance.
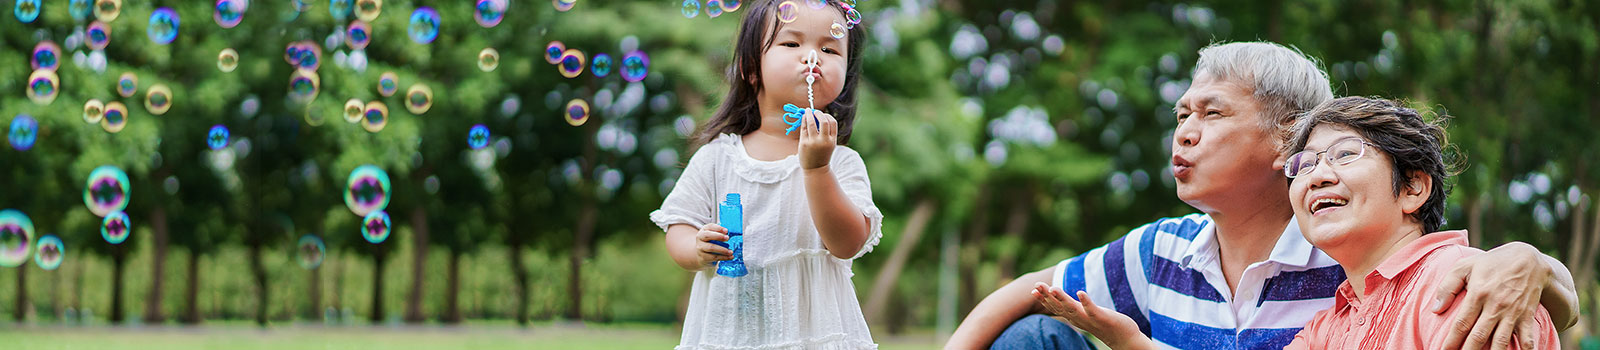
(1240, 274)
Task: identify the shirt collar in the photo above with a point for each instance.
(1413, 252)
(1292, 249)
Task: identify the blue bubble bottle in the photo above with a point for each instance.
(731, 214)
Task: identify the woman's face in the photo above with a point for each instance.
(1350, 203)
(788, 61)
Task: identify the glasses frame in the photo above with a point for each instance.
(1288, 163)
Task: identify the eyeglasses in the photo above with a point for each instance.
(1341, 153)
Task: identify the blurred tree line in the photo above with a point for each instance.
(1001, 138)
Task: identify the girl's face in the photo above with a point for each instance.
(1355, 203)
(785, 64)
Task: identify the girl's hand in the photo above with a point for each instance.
(1117, 330)
(708, 243)
(819, 133)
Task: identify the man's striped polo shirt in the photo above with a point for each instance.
(1167, 276)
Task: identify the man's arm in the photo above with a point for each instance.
(998, 310)
(1502, 289)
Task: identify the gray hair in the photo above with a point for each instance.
(1284, 80)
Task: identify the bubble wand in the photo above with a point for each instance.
(795, 112)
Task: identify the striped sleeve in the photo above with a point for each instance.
(1114, 275)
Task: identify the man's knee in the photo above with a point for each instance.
(1040, 332)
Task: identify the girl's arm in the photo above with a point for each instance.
(843, 227)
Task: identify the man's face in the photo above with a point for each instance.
(1220, 151)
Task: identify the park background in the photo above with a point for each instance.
(1001, 137)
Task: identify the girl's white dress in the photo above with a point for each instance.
(796, 296)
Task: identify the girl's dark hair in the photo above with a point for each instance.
(740, 112)
(1412, 142)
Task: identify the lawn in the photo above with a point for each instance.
(243, 337)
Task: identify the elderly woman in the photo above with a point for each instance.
(1240, 274)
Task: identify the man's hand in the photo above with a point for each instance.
(1503, 288)
(1117, 330)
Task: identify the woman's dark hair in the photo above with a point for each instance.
(1413, 144)
(740, 113)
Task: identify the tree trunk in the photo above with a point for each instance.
(520, 275)
(1475, 209)
(580, 249)
(314, 310)
(419, 260)
(191, 293)
(158, 271)
(972, 252)
(262, 291)
(1016, 226)
(20, 311)
(377, 287)
(883, 285)
(452, 296)
(117, 260)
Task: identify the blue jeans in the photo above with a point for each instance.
(1040, 332)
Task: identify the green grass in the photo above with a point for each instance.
(475, 336)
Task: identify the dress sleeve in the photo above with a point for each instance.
(692, 199)
(851, 173)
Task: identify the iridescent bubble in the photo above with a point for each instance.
(158, 99)
(788, 11)
(48, 253)
(554, 51)
(340, 9)
(228, 13)
(294, 52)
(635, 66)
(94, 111)
(601, 66)
(80, 9)
(367, 190)
(16, 237)
(730, 5)
(713, 8)
(368, 10)
(489, 13)
(388, 83)
(116, 227)
(46, 56)
(571, 63)
(310, 56)
(419, 98)
(424, 25)
(217, 138)
(309, 251)
(107, 10)
(314, 115)
(376, 117)
(691, 8)
(43, 86)
(358, 35)
(227, 60)
(127, 84)
(837, 30)
(116, 117)
(107, 190)
(24, 131)
(563, 5)
(304, 85)
(488, 59)
(99, 35)
(852, 18)
(375, 227)
(163, 27)
(353, 110)
(577, 112)
(478, 136)
(27, 10)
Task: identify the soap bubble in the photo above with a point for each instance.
(367, 190)
(419, 98)
(424, 25)
(16, 238)
(116, 117)
(115, 228)
(163, 27)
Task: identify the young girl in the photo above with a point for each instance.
(807, 203)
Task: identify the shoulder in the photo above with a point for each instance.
(716, 149)
(1185, 227)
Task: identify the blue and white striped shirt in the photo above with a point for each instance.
(1167, 276)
